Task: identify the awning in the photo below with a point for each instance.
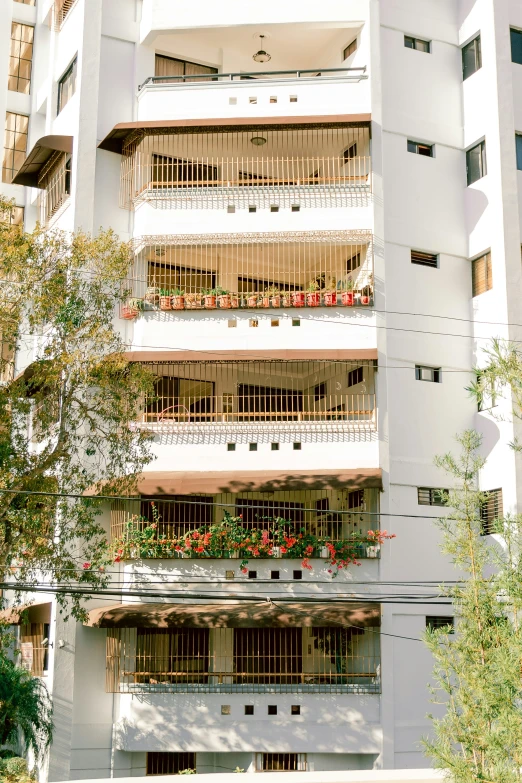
(163, 482)
(13, 614)
(241, 615)
(302, 354)
(115, 140)
(30, 169)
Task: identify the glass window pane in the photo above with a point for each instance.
(471, 58)
(409, 42)
(518, 142)
(476, 163)
(21, 53)
(15, 144)
(516, 46)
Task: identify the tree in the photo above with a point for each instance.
(25, 710)
(64, 421)
(478, 669)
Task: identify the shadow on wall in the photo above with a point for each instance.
(475, 204)
(490, 433)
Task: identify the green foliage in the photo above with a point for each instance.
(478, 669)
(64, 421)
(13, 769)
(25, 708)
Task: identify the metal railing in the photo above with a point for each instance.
(243, 660)
(303, 73)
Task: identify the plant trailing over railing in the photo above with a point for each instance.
(233, 538)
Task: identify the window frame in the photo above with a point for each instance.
(418, 146)
(477, 56)
(434, 622)
(483, 165)
(518, 149)
(436, 372)
(433, 496)
(488, 276)
(415, 41)
(15, 74)
(15, 148)
(518, 32)
(70, 71)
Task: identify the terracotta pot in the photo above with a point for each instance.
(264, 302)
(330, 298)
(313, 299)
(129, 313)
(365, 299)
(347, 298)
(178, 302)
(165, 303)
(192, 301)
(286, 301)
(152, 297)
(225, 301)
(252, 301)
(234, 302)
(298, 298)
(210, 301)
(276, 301)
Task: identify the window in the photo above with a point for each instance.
(481, 275)
(490, 511)
(254, 511)
(518, 144)
(249, 709)
(281, 762)
(20, 58)
(166, 170)
(476, 162)
(295, 709)
(67, 85)
(15, 144)
(516, 46)
(231, 446)
(435, 622)
(296, 446)
(420, 149)
(471, 58)
(353, 263)
(14, 217)
(350, 49)
(427, 496)
(170, 67)
(350, 152)
(424, 259)
(417, 43)
(170, 763)
(320, 391)
(356, 499)
(55, 185)
(355, 377)
(433, 374)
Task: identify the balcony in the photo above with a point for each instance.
(317, 165)
(294, 270)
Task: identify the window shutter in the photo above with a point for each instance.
(491, 510)
(482, 278)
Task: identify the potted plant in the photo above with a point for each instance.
(347, 292)
(366, 292)
(193, 301)
(224, 299)
(330, 293)
(252, 300)
(178, 299)
(313, 295)
(298, 298)
(152, 294)
(209, 298)
(273, 293)
(264, 299)
(131, 309)
(234, 301)
(165, 301)
(286, 299)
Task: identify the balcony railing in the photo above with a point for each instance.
(243, 660)
(353, 74)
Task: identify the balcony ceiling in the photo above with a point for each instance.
(291, 46)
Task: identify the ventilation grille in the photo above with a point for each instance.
(424, 259)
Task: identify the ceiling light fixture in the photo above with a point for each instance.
(261, 56)
(258, 141)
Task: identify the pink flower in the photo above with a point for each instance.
(86, 566)
(244, 570)
(117, 559)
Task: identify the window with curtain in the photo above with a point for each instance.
(171, 66)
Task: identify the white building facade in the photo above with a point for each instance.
(323, 203)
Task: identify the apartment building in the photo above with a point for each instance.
(342, 180)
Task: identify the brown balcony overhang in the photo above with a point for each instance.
(216, 482)
(29, 172)
(14, 615)
(305, 355)
(115, 140)
(243, 614)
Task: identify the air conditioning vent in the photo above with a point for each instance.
(424, 259)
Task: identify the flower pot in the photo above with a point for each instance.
(193, 301)
(152, 295)
(234, 302)
(298, 298)
(276, 301)
(178, 302)
(347, 298)
(210, 302)
(313, 299)
(264, 302)
(252, 301)
(225, 301)
(365, 299)
(330, 298)
(286, 301)
(165, 303)
(129, 313)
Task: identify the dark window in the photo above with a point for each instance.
(320, 391)
(518, 145)
(350, 152)
(295, 709)
(252, 574)
(424, 259)
(249, 709)
(355, 376)
(433, 374)
(171, 67)
(471, 58)
(231, 446)
(255, 510)
(170, 763)
(297, 574)
(476, 162)
(435, 622)
(428, 496)
(297, 446)
(490, 511)
(516, 46)
(353, 263)
(178, 513)
(274, 446)
(350, 49)
(272, 709)
(481, 274)
(274, 208)
(252, 446)
(420, 149)
(323, 504)
(280, 762)
(67, 85)
(247, 285)
(266, 402)
(356, 499)
(416, 43)
(165, 170)
(274, 574)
